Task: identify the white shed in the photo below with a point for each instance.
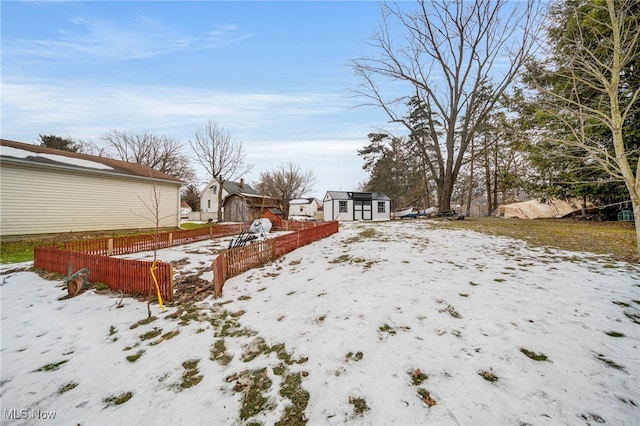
(346, 205)
(44, 190)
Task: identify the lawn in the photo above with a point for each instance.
(615, 238)
(401, 322)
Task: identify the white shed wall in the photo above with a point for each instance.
(331, 209)
(387, 210)
(43, 200)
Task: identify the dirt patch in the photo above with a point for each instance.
(191, 288)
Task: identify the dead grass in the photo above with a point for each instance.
(614, 238)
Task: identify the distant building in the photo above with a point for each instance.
(347, 206)
(246, 208)
(306, 207)
(209, 195)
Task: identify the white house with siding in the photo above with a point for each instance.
(304, 207)
(44, 190)
(349, 205)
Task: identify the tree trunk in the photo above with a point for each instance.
(447, 191)
(427, 203)
(487, 179)
(468, 211)
(635, 203)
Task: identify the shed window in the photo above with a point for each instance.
(381, 206)
(342, 207)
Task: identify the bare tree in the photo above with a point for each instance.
(457, 58)
(161, 153)
(591, 88)
(286, 182)
(222, 157)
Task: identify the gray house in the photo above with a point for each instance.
(349, 205)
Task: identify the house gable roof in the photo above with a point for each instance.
(40, 156)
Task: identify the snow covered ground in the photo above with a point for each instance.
(383, 323)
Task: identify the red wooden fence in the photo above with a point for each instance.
(133, 276)
(232, 262)
(130, 276)
(146, 242)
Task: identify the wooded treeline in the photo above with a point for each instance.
(496, 101)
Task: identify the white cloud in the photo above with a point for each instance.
(179, 111)
(310, 129)
(90, 39)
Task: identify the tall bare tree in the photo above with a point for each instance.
(590, 87)
(161, 153)
(222, 157)
(286, 182)
(456, 59)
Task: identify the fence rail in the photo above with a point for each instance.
(134, 276)
(232, 262)
(130, 276)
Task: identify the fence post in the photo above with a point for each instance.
(170, 239)
(110, 247)
(171, 282)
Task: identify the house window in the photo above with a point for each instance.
(208, 204)
(381, 206)
(342, 207)
(215, 189)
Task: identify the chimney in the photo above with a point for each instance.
(241, 182)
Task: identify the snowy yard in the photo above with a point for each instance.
(382, 323)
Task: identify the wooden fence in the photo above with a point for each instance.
(232, 262)
(147, 242)
(133, 276)
(130, 276)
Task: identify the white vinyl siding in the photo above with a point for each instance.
(383, 211)
(39, 200)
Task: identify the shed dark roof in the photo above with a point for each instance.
(350, 195)
(275, 211)
(43, 156)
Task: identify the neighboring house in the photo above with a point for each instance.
(246, 208)
(209, 195)
(44, 190)
(307, 207)
(345, 206)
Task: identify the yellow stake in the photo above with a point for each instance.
(155, 280)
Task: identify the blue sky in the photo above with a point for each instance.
(275, 75)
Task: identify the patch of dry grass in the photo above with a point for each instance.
(615, 238)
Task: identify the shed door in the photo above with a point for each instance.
(362, 210)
